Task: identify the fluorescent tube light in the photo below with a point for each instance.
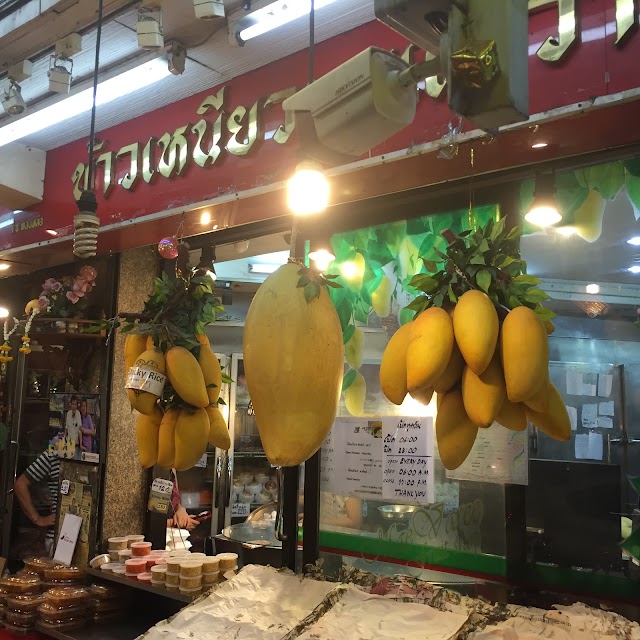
(275, 15)
(263, 268)
(121, 85)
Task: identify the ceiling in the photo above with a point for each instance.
(212, 59)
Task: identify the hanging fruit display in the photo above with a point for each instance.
(172, 377)
(479, 339)
(293, 362)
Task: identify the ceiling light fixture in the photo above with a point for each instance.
(308, 189)
(593, 288)
(12, 102)
(4, 266)
(537, 140)
(567, 231)
(544, 210)
(60, 70)
(634, 269)
(51, 232)
(635, 241)
(108, 90)
(149, 28)
(274, 15)
(4, 312)
(322, 258)
(205, 217)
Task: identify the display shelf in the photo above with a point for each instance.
(128, 582)
(249, 454)
(126, 630)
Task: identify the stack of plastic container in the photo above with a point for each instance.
(64, 609)
(61, 576)
(108, 603)
(228, 564)
(17, 592)
(191, 577)
(210, 571)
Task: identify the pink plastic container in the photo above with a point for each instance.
(144, 577)
(136, 565)
(139, 549)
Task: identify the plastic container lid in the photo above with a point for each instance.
(109, 567)
(190, 568)
(38, 565)
(18, 631)
(210, 563)
(98, 561)
(24, 604)
(136, 537)
(63, 597)
(144, 577)
(140, 548)
(104, 592)
(68, 625)
(199, 556)
(64, 573)
(19, 618)
(20, 584)
(120, 570)
(159, 570)
(124, 554)
(135, 565)
(117, 543)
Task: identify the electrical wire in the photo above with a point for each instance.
(96, 71)
(312, 40)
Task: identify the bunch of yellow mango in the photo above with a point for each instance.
(178, 437)
(483, 371)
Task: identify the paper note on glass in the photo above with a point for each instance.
(606, 408)
(605, 382)
(604, 422)
(574, 383)
(573, 417)
(589, 416)
(582, 446)
(595, 446)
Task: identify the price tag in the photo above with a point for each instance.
(240, 509)
(160, 496)
(146, 380)
(64, 487)
(202, 463)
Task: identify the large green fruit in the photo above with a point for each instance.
(293, 363)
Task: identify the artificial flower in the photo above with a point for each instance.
(73, 297)
(43, 302)
(88, 273)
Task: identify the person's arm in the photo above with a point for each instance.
(91, 431)
(183, 520)
(22, 491)
(353, 517)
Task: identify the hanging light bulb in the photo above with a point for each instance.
(544, 210)
(322, 258)
(86, 225)
(308, 189)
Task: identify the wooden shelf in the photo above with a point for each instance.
(128, 582)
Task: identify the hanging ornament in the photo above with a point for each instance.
(5, 349)
(26, 340)
(168, 247)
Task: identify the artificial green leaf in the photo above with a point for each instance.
(484, 246)
(348, 333)
(536, 295)
(303, 281)
(438, 299)
(514, 302)
(632, 166)
(362, 311)
(419, 304)
(498, 228)
(226, 379)
(311, 291)
(348, 379)
(423, 282)
(430, 265)
(544, 313)
(477, 259)
(452, 296)
(526, 278)
(483, 278)
(514, 233)
(633, 193)
(345, 311)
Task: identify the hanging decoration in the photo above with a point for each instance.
(5, 348)
(168, 247)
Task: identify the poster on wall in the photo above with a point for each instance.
(74, 426)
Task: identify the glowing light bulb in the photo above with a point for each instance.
(349, 269)
(322, 258)
(4, 312)
(205, 217)
(593, 288)
(634, 269)
(567, 231)
(543, 216)
(307, 190)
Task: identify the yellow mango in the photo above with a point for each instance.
(524, 349)
(167, 439)
(483, 395)
(393, 368)
(512, 416)
(476, 326)
(218, 430)
(539, 401)
(423, 396)
(147, 428)
(455, 432)
(32, 305)
(211, 370)
(144, 401)
(381, 297)
(355, 395)
(192, 435)
(354, 348)
(186, 377)
(134, 347)
(452, 374)
(429, 349)
(293, 362)
(555, 420)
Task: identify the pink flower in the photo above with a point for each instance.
(48, 284)
(81, 286)
(73, 297)
(56, 286)
(43, 302)
(88, 273)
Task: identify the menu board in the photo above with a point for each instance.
(408, 460)
(352, 458)
(388, 458)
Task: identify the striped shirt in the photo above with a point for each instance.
(46, 468)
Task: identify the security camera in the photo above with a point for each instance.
(355, 107)
(12, 101)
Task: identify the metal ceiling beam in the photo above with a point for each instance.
(576, 291)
